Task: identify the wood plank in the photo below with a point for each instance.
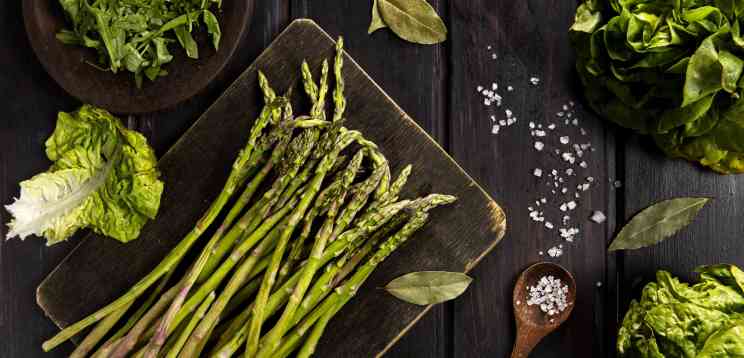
(30, 103)
(504, 164)
(394, 64)
(456, 239)
(29, 118)
(714, 236)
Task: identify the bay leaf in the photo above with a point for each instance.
(657, 222)
(376, 22)
(429, 287)
(413, 20)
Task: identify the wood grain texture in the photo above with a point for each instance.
(30, 101)
(456, 239)
(28, 119)
(713, 237)
(436, 85)
(504, 164)
(416, 77)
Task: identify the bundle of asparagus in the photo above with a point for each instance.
(305, 233)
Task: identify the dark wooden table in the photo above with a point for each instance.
(436, 85)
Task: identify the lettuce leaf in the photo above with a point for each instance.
(674, 319)
(671, 69)
(104, 177)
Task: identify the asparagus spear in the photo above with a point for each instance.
(259, 308)
(237, 254)
(339, 101)
(299, 244)
(127, 342)
(245, 224)
(299, 148)
(235, 282)
(99, 332)
(312, 265)
(237, 330)
(338, 270)
(343, 293)
(235, 180)
(173, 353)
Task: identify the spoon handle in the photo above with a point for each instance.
(527, 339)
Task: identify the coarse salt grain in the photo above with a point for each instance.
(537, 172)
(550, 294)
(555, 251)
(535, 81)
(539, 146)
(598, 217)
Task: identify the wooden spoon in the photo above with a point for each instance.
(532, 323)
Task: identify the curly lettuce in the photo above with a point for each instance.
(674, 319)
(671, 69)
(104, 177)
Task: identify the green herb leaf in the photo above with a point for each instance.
(413, 20)
(134, 35)
(104, 176)
(376, 22)
(187, 41)
(429, 287)
(213, 27)
(657, 222)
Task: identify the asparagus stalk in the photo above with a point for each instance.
(259, 308)
(106, 324)
(173, 353)
(299, 244)
(127, 342)
(237, 330)
(237, 254)
(339, 101)
(308, 348)
(235, 282)
(340, 269)
(246, 223)
(235, 180)
(312, 265)
(101, 329)
(361, 195)
(345, 292)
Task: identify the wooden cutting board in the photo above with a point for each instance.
(456, 238)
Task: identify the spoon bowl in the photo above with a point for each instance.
(532, 323)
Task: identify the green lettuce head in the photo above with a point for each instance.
(668, 68)
(104, 177)
(674, 319)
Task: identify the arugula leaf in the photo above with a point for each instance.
(135, 35)
(213, 27)
(104, 177)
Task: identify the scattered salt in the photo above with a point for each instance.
(535, 81)
(555, 252)
(537, 172)
(598, 217)
(539, 146)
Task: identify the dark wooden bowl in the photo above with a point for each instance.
(69, 65)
